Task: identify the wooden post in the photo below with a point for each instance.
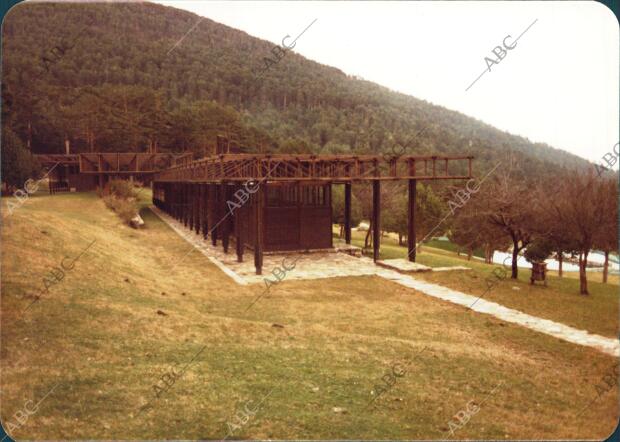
(190, 205)
(177, 201)
(259, 202)
(170, 198)
(173, 199)
(205, 210)
(327, 200)
(238, 232)
(198, 205)
(411, 239)
(225, 216)
(166, 204)
(185, 201)
(213, 211)
(376, 219)
(347, 213)
(190, 200)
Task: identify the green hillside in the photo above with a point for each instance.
(101, 76)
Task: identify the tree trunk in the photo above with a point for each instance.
(515, 257)
(560, 261)
(606, 266)
(400, 239)
(367, 238)
(583, 282)
(341, 234)
(488, 254)
(470, 252)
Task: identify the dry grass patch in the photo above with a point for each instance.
(100, 337)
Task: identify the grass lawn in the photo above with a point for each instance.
(559, 301)
(450, 246)
(98, 335)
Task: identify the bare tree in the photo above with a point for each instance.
(606, 238)
(506, 202)
(583, 207)
(470, 231)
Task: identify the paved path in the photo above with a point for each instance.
(327, 265)
(607, 345)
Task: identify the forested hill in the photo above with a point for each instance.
(102, 76)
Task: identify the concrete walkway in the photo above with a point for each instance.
(328, 265)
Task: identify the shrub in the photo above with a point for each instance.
(120, 189)
(126, 209)
(119, 196)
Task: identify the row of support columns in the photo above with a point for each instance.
(376, 218)
(215, 210)
(205, 208)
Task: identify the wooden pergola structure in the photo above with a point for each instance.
(282, 202)
(86, 171)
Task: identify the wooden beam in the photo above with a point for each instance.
(411, 235)
(347, 213)
(328, 168)
(376, 219)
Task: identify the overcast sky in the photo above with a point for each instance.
(559, 85)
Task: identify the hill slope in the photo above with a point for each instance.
(97, 335)
(100, 75)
